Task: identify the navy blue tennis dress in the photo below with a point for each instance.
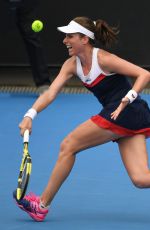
(109, 89)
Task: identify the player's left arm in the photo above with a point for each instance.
(112, 63)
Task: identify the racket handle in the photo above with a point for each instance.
(26, 136)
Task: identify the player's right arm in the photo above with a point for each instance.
(67, 71)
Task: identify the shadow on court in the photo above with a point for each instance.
(98, 193)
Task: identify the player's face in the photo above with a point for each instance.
(74, 43)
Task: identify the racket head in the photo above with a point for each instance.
(24, 173)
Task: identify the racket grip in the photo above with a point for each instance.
(26, 136)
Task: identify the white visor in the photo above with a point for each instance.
(74, 27)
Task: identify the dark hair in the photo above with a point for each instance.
(103, 33)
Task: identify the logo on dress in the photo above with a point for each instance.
(87, 80)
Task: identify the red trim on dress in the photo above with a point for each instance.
(96, 81)
(103, 123)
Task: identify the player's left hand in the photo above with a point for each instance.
(123, 104)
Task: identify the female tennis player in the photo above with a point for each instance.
(125, 117)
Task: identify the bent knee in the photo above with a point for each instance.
(140, 181)
(69, 145)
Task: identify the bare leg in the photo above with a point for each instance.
(85, 136)
(135, 158)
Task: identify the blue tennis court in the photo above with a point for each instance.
(97, 195)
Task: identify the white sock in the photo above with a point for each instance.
(42, 206)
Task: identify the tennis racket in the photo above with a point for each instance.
(25, 168)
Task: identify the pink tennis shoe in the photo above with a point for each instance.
(31, 204)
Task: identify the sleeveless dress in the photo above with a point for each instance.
(109, 89)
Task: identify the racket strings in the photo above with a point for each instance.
(25, 172)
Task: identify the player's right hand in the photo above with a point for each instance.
(26, 123)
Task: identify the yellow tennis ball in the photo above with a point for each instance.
(37, 26)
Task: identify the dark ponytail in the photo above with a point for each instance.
(104, 33)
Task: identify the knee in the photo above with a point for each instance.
(68, 146)
(139, 181)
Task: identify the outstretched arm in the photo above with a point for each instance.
(48, 96)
